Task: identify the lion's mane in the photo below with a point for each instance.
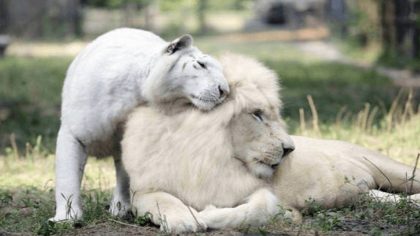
(176, 155)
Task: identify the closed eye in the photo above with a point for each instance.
(202, 64)
(258, 115)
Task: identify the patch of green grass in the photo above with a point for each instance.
(266, 51)
(30, 91)
(352, 104)
(27, 199)
(390, 218)
(364, 216)
(24, 209)
(333, 86)
(28, 210)
(27, 191)
(30, 88)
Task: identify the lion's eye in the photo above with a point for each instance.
(258, 115)
(202, 64)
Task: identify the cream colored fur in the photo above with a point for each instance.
(333, 173)
(226, 159)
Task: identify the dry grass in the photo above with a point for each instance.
(326, 100)
(395, 135)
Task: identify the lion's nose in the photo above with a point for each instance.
(287, 149)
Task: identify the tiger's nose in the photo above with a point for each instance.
(222, 92)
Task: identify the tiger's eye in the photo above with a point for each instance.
(202, 64)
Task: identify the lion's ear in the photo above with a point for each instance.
(181, 43)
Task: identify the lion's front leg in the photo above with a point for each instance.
(259, 208)
(169, 212)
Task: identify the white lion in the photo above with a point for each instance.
(115, 73)
(231, 160)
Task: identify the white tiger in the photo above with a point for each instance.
(115, 73)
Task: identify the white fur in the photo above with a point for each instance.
(221, 158)
(111, 76)
(334, 173)
(159, 157)
(257, 210)
(169, 212)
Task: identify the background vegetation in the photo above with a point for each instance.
(345, 97)
(352, 104)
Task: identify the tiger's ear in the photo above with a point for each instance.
(181, 43)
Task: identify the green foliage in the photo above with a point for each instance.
(392, 58)
(30, 91)
(29, 107)
(175, 5)
(24, 209)
(364, 215)
(363, 25)
(327, 220)
(332, 86)
(30, 98)
(29, 209)
(368, 23)
(144, 220)
(115, 3)
(47, 228)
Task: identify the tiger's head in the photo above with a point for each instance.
(188, 76)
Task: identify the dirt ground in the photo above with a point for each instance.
(346, 226)
(105, 229)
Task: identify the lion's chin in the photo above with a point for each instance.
(262, 170)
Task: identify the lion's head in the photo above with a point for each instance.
(260, 140)
(197, 155)
(241, 138)
(259, 137)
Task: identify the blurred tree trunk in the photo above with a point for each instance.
(73, 17)
(387, 12)
(337, 13)
(400, 28)
(129, 12)
(150, 12)
(416, 36)
(42, 18)
(3, 17)
(201, 14)
(404, 27)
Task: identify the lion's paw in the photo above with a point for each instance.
(177, 223)
(214, 216)
(209, 208)
(415, 198)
